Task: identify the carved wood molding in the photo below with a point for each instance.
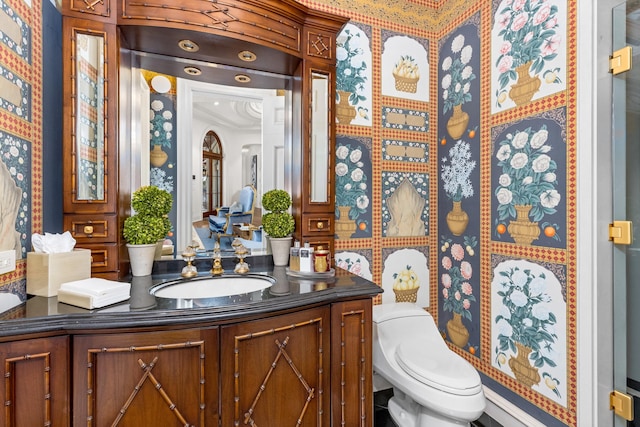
(10, 381)
(360, 316)
(92, 354)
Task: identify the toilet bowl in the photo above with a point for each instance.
(432, 385)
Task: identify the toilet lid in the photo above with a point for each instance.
(443, 370)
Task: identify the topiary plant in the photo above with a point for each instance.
(150, 222)
(150, 200)
(277, 223)
(144, 229)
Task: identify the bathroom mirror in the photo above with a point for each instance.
(90, 117)
(319, 137)
(250, 122)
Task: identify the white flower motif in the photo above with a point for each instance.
(537, 286)
(466, 72)
(539, 138)
(466, 87)
(355, 155)
(519, 278)
(445, 94)
(520, 140)
(504, 328)
(167, 126)
(341, 52)
(357, 175)
(519, 160)
(362, 202)
(504, 196)
(504, 180)
(446, 63)
(518, 298)
(446, 81)
(503, 153)
(541, 312)
(549, 177)
(341, 169)
(550, 198)
(167, 115)
(541, 163)
(465, 55)
(457, 43)
(342, 152)
(527, 180)
(157, 105)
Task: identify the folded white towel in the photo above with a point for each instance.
(96, 287)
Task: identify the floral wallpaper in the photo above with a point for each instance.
(529, 203)
(21, 138)
(405, 66)
(353, 187)
(353, 75)
(528, 313)
(529, 61)
(484, 117)
(162, 141)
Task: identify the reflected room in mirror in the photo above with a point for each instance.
(206, 143)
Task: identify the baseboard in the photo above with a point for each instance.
(506, 413)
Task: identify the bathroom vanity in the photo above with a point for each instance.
(297, 353)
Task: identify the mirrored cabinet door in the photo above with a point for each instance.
(89, 120)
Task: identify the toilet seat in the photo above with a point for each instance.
(444, 371)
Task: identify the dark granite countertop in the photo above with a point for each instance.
(40, 315)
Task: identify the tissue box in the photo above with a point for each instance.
(46, 272)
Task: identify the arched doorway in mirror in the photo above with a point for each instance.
(211, 174)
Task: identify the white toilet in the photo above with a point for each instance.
(432, 385)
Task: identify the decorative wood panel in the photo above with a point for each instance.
(276, 369)
(36, 383)
(163, 378)
(253, 22)
(351, 367)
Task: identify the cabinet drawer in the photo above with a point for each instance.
(104, 257)
(90, 228)
(317, 224)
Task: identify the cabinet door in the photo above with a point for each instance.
(146, 379)
(274, 371)
(36, 382)
(90, 58)
(351, 364)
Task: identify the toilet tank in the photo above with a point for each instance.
(397, 322)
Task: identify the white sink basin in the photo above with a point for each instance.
(214, 287)
(211, 291)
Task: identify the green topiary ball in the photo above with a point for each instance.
(150, 200)
(278, 224)
(276, 200)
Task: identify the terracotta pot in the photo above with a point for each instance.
(458, 333)
(458, 122)
(457, 219)
(522, 230)
(525, 87)
(157, 157)
(521, 366)
(345, 112)
(345, 227)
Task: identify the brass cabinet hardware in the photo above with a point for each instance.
(88, 229)
(320, 225)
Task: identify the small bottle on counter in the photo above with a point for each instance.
(294, 257)
(321, 260)
(306, 258)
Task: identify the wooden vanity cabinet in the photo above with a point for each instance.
(36, 382)
(90, 151)
(167, 378)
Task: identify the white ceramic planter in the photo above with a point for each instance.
(141, 258)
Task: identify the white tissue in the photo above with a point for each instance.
(53, 243)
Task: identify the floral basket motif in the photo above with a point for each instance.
(406, 84)
(406, 295)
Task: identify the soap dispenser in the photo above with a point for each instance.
(294, 257)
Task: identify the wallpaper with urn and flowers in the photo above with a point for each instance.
(472, 111)
(513, 63)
